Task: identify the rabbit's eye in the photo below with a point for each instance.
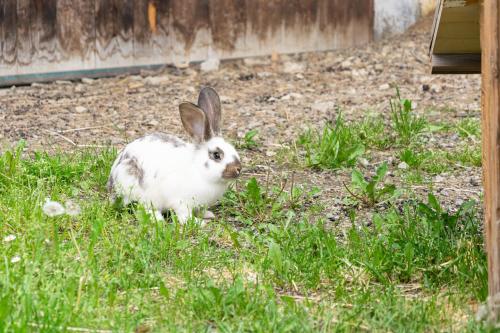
(216, 155)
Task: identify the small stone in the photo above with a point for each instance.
(153, 122)
(157, 80)
(80, 109)
(290, 96)
(439, 179)
(435, 89)
(379, 67)
(426, 87)
(209, 65)
(403, 166)
(364, 162)
(182, 65)
(345, 65)
(474, 182)
(135, 85)
(333, 217)
(270, 153)
(87, 80)
(293, 67)
(323, 106)
(299, 76)
(256, 61)
(37, 85)
(384, 86)
(482, 312)
(63, 83)
(264, 75)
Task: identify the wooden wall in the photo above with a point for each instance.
(54, 36)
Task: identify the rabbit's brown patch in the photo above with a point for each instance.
(232, 170)
(134, 169)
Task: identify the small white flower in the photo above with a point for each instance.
(72, 208)
(9, 238)
(15, 259)
(52, 208)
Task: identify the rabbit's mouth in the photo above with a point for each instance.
(232, 170)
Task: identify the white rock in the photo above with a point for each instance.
(346, 65)
(435, 88)
(257, 61)
(182, 65)
(290, 96)
(156, 80)
(364, 162)
(293, 67)
(211, 64)
(323, 106)
(264, 75)
(225, 99)
(87, 80)
(153, 122)
(439, 179)
(80, 109)
(270, 153)
(384, 86)
(63, 82)
(403, 166)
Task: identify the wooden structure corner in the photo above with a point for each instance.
(466, 39)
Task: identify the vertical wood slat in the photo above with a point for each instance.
(9, 33)
(490, 40)
(114, 22)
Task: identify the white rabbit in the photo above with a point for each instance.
(164, 172)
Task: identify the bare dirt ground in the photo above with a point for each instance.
(278, 96)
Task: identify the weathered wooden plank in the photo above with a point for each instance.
(114, 21)
(152, 25)
(490, 40)
(251, 28)
(24, 47)
(9, 40)
(190, 36)
(44, 33)
(456, 64)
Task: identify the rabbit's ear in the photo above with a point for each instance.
(209, 102)
(194, 121)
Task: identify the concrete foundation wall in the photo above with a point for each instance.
(395, 16)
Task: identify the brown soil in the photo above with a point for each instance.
(278, 96)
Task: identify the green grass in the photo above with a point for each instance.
(405, 123)
(334, 147)
(270, 263)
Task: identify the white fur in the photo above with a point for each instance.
(181, 177)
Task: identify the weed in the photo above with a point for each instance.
(407, 125)
(248, 141)
(335, 147)
(469, 128)
(370, 192)
(372, 133)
